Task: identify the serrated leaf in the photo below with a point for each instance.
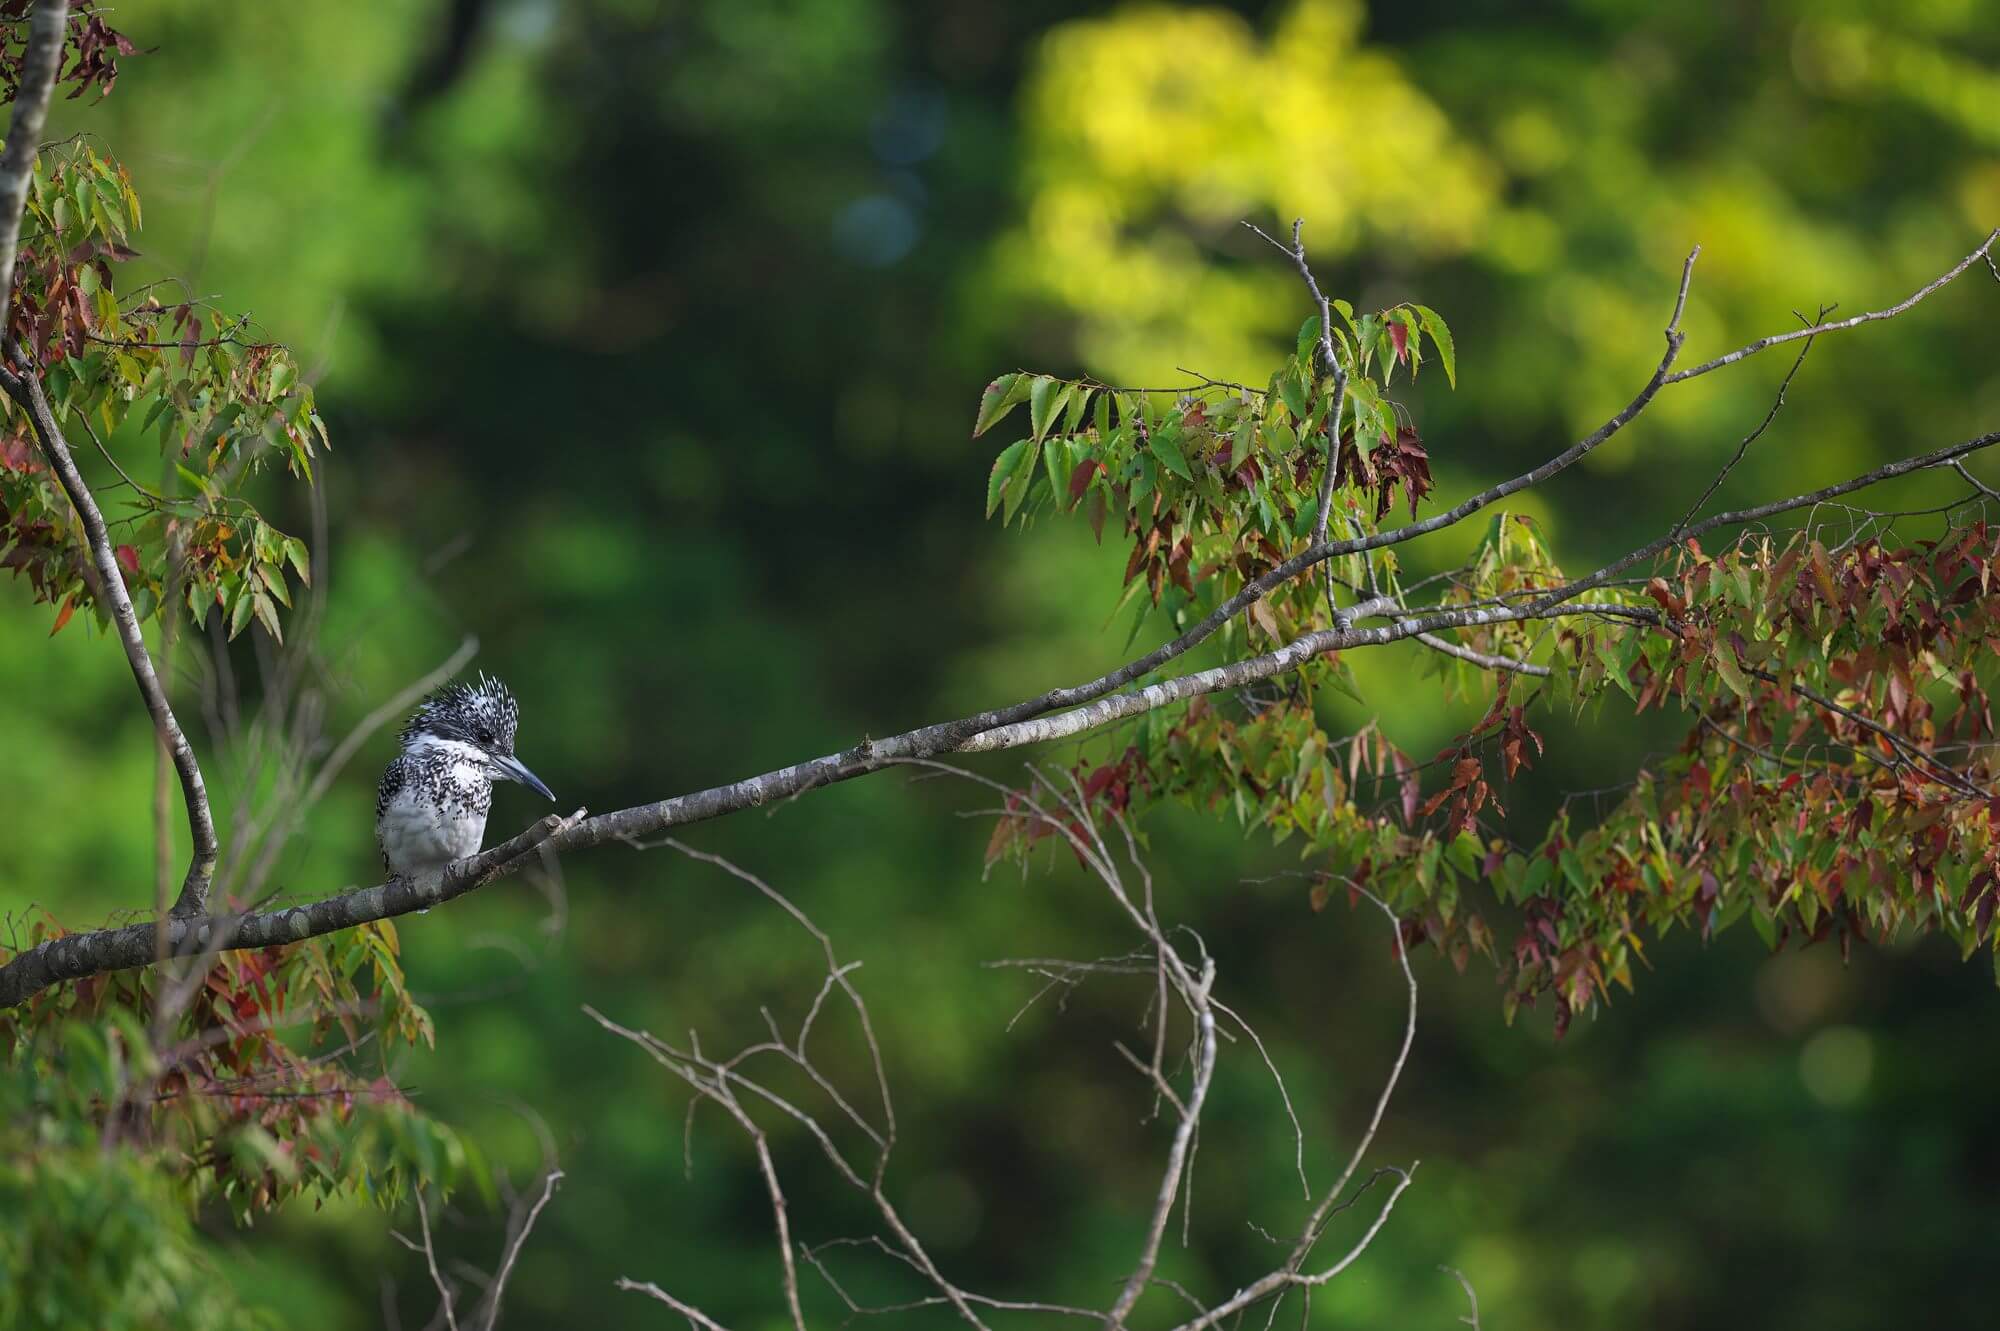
(1367, 332)
(1045, 399)
(273, 577)
(239, 617)
(267, 615)
(1166, 446)
(1079, 402)
(295, 551)
(1308, 337)
(1000, 397)
(1732, 674)
(1019, 483)
(1244, 440)
(1003, 471)
(1059, 462)
(1294, 394)
(1440, 338)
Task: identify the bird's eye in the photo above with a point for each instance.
(485, 737)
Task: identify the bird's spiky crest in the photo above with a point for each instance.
(480, 712)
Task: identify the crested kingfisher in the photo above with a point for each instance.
(431, 806)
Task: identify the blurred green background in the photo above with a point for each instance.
(650, 333)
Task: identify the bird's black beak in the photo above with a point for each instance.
(515, 770)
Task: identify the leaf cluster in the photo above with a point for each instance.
(138, 369)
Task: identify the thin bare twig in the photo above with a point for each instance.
(430, 1259)
(1471, 1296)
(1762, 343)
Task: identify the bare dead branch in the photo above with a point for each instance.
(1471, 1296)
(430, 1259)
(520, 1226)
(694, 1315)
(1777, 405)
(1184, 980)
(1762, 343)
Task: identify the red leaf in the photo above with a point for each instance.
(62, 617)
(1099, 779)
(128, 558)
(1079, 480)
(1399, 333)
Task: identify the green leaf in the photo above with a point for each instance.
(1732, 674)
(1308, 337)
(1003, 471)
(1079, 401)
(1366, 334)
(1000, 397)
(1166, 447)
(1139, 616)
(1294, 394)
(273, 577)
(295, 551)
(1342, 678)
(1440, 337)
(267, 615)
(1045, 399)
(239, 616)
(1019, 483)
(1244, 441)
(1059, 461)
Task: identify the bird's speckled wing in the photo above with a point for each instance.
(394, 778)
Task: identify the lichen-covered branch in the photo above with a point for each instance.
(39, 66)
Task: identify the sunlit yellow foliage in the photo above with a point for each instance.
(1151, 133)
(1579, 191)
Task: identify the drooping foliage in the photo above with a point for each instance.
(1833, 678)
(148, 365)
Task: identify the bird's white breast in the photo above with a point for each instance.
(439, 814)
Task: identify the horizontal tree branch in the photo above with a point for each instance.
(1284, 660)
(74, 956)
(1058, 713)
